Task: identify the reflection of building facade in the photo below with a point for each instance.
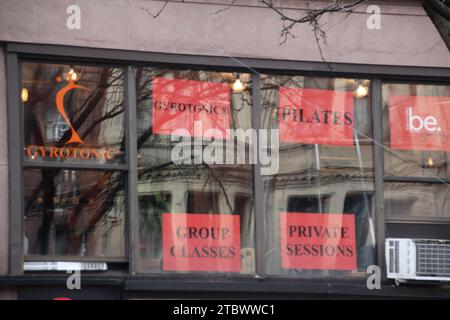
(349, 149)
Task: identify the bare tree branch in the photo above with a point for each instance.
(312, 17)
(159, 11)
(226, 8)
(438, 10)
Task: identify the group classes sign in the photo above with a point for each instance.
(201, 242)
(319, 241)
(419, 123)
(316, 116)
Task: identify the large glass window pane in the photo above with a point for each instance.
(416, 127)
(196, 215)
(411, 199)
(318, 206)
(78, 213)
(416, 130)
(73, 113)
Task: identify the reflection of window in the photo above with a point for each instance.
(56, 126)
(417, 200)
(202, 202)
(144, 118)
(360, 204)
(243, 208)
(311, 204)
(151, 207)
(242, 204)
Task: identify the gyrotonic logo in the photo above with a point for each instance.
(75, 147)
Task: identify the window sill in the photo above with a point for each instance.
(214, 287)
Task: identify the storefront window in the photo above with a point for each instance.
(318, 206)
(73, 120)
(196, 172)
(196, 215)
(73, 113)
(416, 131)
(79, 213)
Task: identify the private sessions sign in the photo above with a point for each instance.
(321, 241)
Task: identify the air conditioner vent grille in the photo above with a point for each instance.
(433, 259)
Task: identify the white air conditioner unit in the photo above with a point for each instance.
(418, 259)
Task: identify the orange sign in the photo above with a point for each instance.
(74, 147)
(74, 138)
(67, 152)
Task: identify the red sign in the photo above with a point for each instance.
(201, 242)
(315, 116)
(178, 104)
(420, 123)
(318, 241)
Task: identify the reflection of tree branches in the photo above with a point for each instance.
(108, 186)
(117, 110)
(222, 187)
(108, 84)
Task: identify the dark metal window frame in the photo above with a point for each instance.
(15, 52)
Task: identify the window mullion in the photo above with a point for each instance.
(132, 178)
(258, 191)
(15, 127)
(378, 160)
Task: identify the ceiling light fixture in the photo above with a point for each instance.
(71, 75)
(24, 95)
(361, 90)
(237, 85)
